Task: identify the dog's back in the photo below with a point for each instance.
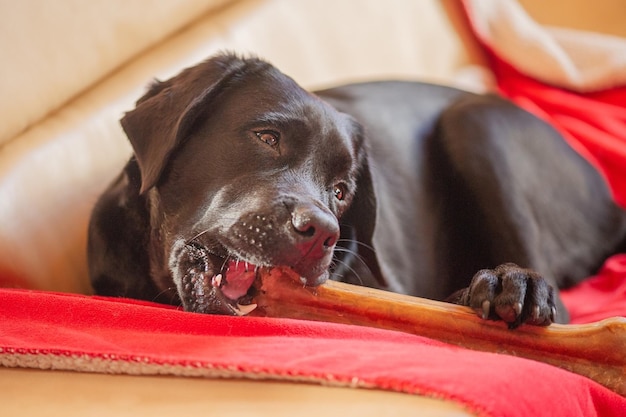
(465, 182)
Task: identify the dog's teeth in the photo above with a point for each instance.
(216, 281)
(243, 310)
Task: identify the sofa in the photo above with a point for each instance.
(72, 68)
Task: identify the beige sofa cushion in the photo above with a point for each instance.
(53, 50)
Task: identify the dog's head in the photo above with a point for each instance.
(242, 168)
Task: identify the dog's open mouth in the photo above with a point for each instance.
(234, 282)
(214, 282)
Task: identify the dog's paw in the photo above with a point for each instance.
(512, 294)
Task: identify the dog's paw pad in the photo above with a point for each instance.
(512, 294)
(509, 312)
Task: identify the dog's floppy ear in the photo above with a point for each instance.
(361, 215)
(170, 110)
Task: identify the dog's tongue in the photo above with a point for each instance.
(239, 278)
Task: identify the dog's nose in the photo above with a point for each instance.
(316, 228)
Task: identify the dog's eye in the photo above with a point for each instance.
(340, 191)
(268, 136)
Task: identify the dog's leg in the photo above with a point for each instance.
(527, 198)
(118, 236)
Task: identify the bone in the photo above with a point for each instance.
(594, 350)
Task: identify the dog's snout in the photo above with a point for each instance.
(315, 227)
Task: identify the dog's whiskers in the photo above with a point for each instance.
(174, 296)
(356, 242)
(188, 241)
(205, 231)
(341, 249)
(225, 262)
(345, 264)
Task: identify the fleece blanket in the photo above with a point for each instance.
(59, 331)
(574, 80)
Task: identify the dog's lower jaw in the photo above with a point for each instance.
(198, 281)
(316, 280)
(201, 293)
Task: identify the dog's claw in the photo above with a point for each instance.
(536, 312)
(486, 308)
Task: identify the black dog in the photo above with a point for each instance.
(404, 186)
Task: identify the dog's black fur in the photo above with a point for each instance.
(405, 186)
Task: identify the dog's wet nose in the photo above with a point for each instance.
(317, 229)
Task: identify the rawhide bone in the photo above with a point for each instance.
(597, 350)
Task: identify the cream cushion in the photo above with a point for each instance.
(53, 50)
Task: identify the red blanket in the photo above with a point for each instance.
(57, 331)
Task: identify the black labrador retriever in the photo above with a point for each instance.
(404, 186)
